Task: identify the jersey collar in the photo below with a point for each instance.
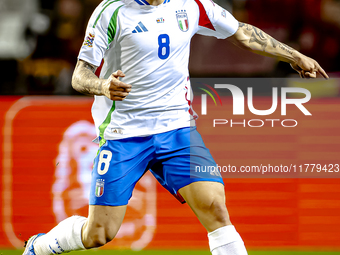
(144, 2)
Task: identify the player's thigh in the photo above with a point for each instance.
(207, 200)
(102, 225)
(117, 168)
(182, 159)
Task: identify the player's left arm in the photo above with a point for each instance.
(254, 39)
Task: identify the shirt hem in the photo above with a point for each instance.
(109, 137)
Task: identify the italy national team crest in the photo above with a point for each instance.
(99, 187)
(182, 20)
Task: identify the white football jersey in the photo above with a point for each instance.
(151, 45)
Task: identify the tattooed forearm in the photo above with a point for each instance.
(85, 81)
(263, 39)
(282, 46)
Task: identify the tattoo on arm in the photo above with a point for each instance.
(84, 80)
(264, 39)
(259, 37)
(282, 46)
(90, 67)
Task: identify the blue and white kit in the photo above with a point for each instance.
(151, 45)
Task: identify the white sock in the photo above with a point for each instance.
(226, 241)
(65, 237)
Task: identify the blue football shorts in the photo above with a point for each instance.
(172, 157)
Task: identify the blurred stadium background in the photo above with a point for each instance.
(46, 151)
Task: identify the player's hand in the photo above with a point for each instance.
(307, 67)
(115, 89)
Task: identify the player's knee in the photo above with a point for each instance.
(219, 212)
(216, 211)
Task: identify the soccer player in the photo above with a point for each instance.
(144, 118)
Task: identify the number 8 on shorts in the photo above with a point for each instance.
(104, 162)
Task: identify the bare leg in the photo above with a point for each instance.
(207, 200)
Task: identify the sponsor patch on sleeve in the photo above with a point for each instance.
(89, 40)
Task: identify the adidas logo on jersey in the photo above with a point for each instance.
(140, 28)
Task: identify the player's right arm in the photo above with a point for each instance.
(85, 81)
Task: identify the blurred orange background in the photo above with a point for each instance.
(46, 158)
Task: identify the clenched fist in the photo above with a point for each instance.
(115, 89)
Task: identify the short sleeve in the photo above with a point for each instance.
(99, 34)
(214, 20)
